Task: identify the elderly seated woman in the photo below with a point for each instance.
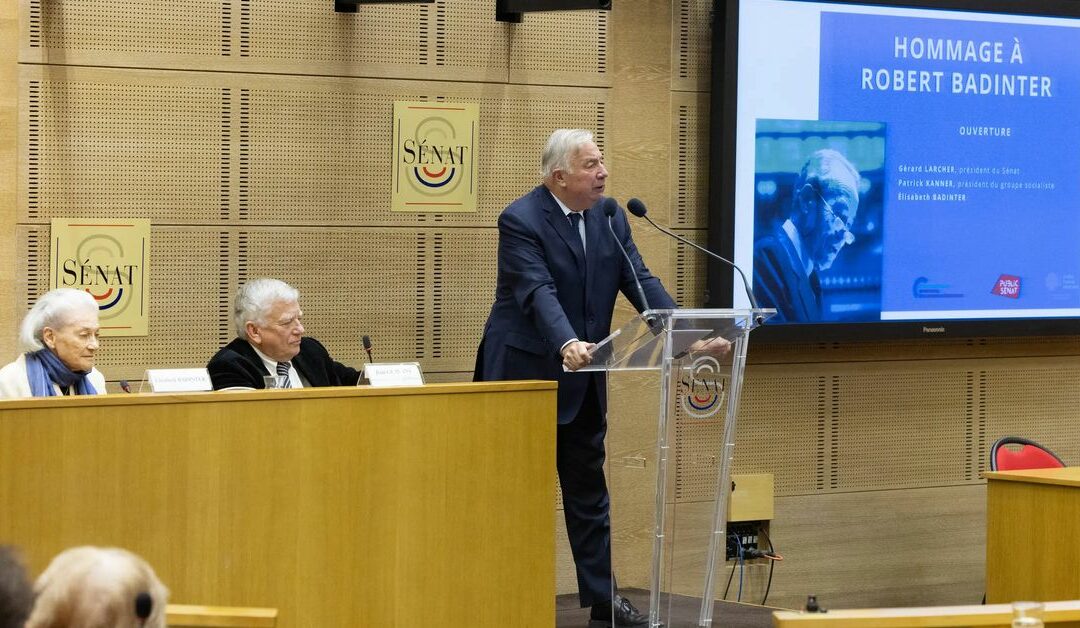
(59, 336)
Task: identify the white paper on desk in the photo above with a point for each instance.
(393, 374)
(179, 380)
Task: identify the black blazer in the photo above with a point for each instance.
(549, 290)
(237, 364)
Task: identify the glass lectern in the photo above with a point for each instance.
(694, 385)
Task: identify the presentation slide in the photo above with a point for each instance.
(907, 164)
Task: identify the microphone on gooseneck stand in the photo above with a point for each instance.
(637, 208)
(610, 206)
(367, 347)
(125, 386)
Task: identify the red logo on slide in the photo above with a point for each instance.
(1007, 286)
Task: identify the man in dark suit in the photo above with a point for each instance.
(559, 274)
(789, 258)
(271, 341)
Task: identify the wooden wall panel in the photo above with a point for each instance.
(561, 48)
(108, 144)
(9, 173)
(691, 48)
(199, 148)
(447, 40)
(690, 167)
(920, 547)
(1036, 401)
(190, 298)
(689, 266)
(462, 288)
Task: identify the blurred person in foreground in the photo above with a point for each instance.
(16, 594)
(98, 587)
(59, 338)
(270, 341)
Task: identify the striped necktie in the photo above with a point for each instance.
(283, 371)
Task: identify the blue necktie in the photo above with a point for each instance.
(576, 219)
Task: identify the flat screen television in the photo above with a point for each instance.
(898, 169)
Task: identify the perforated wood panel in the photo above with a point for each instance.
(1036, 403)
(901, 430)
(352, 282)
(468, 37)
(323, 148)
(690, 269)
(690, 168)
(113, 146)
(188, 306)
(781, 430)
(447, 40)
(197, 148)
(691, 45)
(561, 48)
(462, 289)
(311, 31)
(194, 27)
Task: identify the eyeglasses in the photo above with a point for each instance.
(849, 237)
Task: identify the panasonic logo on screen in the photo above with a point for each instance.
(933, 330)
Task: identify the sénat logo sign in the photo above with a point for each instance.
(435, 156)
(110, 259)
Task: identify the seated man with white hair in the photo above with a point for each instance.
(271, 341)
(98, 587)
(59, 336)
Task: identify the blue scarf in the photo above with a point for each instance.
(44, 368)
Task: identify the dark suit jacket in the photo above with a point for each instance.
(237, 364)
(548, 291)
(780, 281)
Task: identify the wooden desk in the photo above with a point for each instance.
(1033, 535)
(420, 506)
(1057, 614)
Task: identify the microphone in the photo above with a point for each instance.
(367, 347)
(637, 208)
(125, 386)
(610, 206)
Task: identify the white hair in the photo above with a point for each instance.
(255, 298)
(99, 587)
(560, 147)
(54, 309)
(827, 166)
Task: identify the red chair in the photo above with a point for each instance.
(1030, 455)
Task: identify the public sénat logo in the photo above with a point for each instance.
(702, 388)
(435, 157)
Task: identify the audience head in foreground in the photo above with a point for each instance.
(98, 587)
(59, 340)
(270, 341)
(16, 594)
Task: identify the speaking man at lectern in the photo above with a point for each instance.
(559, 273)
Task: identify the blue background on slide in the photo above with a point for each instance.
(965, 246)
